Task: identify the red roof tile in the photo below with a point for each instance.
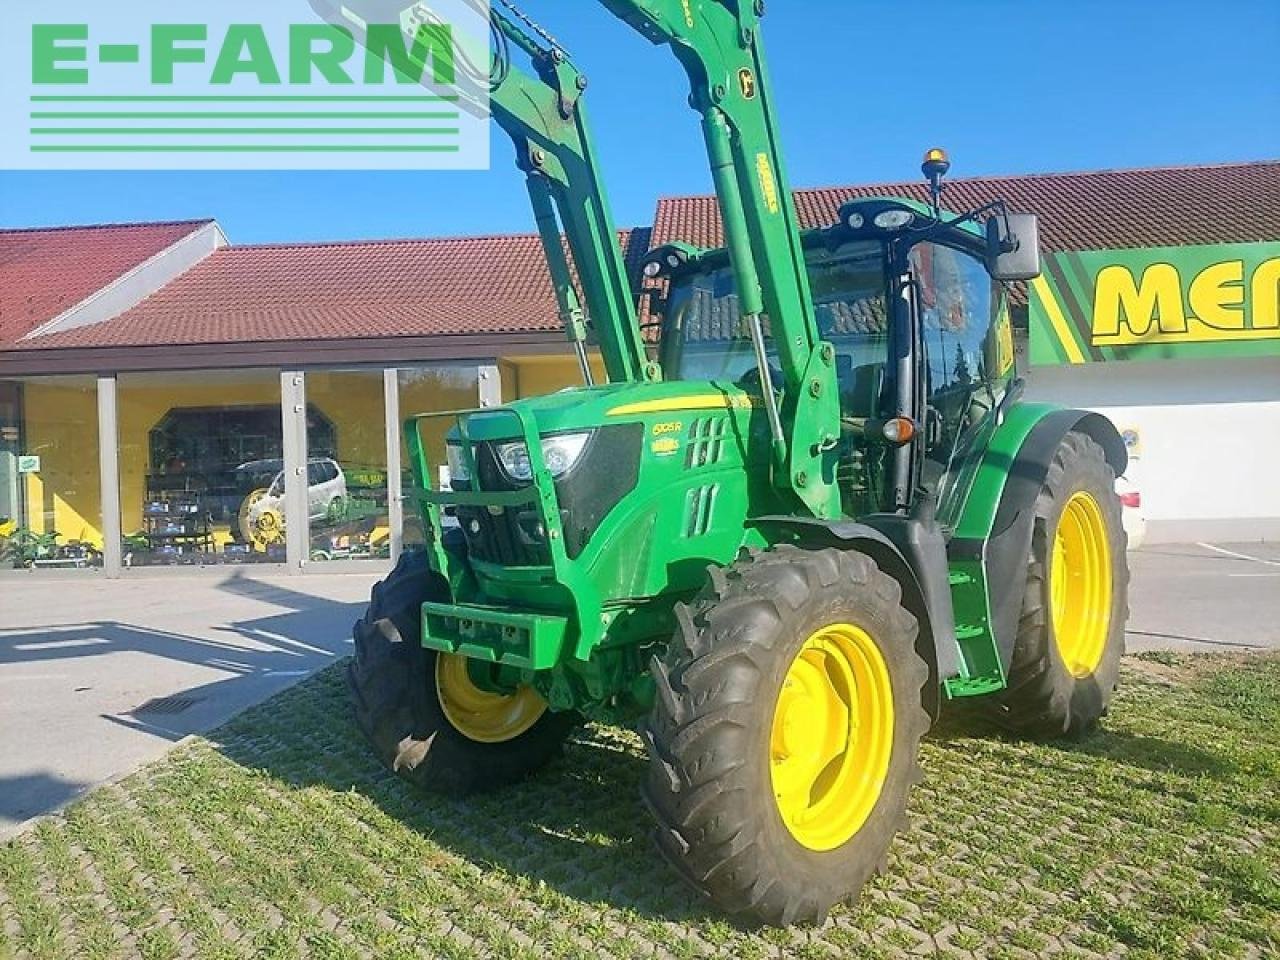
(1107, 209)
(46, 271)
(496, 285)
(470, 285)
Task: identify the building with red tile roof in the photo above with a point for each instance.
(467, 296)
(192, 353)
(49, 274)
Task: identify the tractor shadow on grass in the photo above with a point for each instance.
(579, 826)
(1138, 751)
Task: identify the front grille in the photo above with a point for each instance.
(513, 536)
(509, 536)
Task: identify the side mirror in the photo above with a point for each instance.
(1013, 254)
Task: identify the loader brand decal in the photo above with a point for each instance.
(747, 82)
(239, 84)
(687, 5)
(665, 447)
(768, 184)
(1162, 303)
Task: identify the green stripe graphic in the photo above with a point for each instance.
(223, 115)
(243, 99)
(273, 131)
(118, 53)
(245, 148)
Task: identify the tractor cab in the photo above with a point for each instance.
(913, 303)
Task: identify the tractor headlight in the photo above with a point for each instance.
(457, 464)
(560, 453)
(894, 219)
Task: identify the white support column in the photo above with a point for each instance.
(490, 385)
(293, 412)
(109, 477)
(395, 468)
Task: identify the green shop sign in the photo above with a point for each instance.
(1157, 303)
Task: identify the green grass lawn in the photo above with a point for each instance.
(279, 836)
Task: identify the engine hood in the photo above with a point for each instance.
(586, 407)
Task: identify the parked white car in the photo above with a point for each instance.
(1135, 521)
(262, 517)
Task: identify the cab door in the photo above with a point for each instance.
(967, 368)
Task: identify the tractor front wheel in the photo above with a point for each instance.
(1066, 657)
(426, 718)
(785, 732)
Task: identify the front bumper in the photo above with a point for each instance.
(527, 640)
(510, 634)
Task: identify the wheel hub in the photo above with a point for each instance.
(482, 715)
(1080, 584)
(832, 736)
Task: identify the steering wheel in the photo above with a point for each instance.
(751, 379)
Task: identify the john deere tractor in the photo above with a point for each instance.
(781, 545)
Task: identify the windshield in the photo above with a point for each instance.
(706, 339)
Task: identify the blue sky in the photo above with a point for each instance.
(1014, 87)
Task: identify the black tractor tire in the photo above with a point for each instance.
(1043, 699)
(393, 692)
(709, 781)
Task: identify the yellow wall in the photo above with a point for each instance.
(537, 376)
(430, 391)
(354, 402)
(61, 427)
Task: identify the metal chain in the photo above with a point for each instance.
(531, 24)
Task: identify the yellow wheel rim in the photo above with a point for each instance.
(1080, 585)
(832, 736)
(260, 528)
(479, 714)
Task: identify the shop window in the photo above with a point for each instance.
(347, 504)
(201, 468)
(538, 376)
(432, 390)
(50, 496)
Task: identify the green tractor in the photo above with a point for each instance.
(780, 547)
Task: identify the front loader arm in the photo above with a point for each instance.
(543, 114)
(718, 44)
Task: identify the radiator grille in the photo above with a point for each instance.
(706, 441)
(700, 504)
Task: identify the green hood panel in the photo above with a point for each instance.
(581, 408)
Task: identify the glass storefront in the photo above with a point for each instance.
(203, 459)
(347, 466)
(432, 390)
(201, 468)
(50, 491)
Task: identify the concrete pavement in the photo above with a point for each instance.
(80, 656)
(1204, 597)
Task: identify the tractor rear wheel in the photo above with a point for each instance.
(1066, 658)
(424, 715)
(784, 736)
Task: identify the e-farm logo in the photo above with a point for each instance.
(246, 85)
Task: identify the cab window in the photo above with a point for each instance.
(706, 338)
(968, 345)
